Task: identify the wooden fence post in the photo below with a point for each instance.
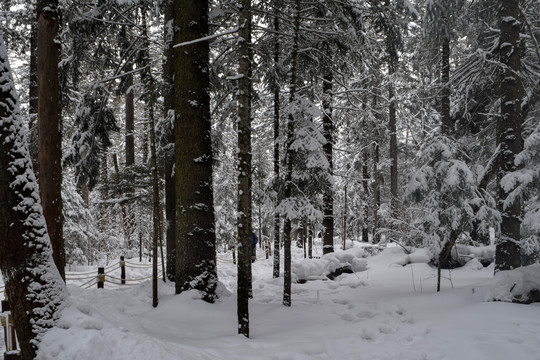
(10, 337)
(123, 270)
(12, 355)
(100, 277)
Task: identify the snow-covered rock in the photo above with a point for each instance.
(521, 285)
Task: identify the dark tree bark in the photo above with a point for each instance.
(276, 264)
(447, 129)
(195, 232)
(34, 287)
(345, 213)
(244, 168)
(509, 138)
(49, 127)
(394, 194)
(33, 97)
(328, 196)
(168, 106)
(365, 185)
(287, 229)
(376, 193)
(130, 121)
(446, 121)
(150, 90)
(129, 107)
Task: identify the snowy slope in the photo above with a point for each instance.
(388, 311)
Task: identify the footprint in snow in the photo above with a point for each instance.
(367, 335)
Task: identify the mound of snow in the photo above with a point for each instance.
(352, 259)
(520, 285)
(418, 256)
(474, 264)
(480, 252)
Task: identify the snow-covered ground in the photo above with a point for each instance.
(388, 311)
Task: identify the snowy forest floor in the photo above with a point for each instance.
(387, 312)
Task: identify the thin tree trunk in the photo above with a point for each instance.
(376, 195)
(168, 106)
(156, 210)
(244, 169)
(287, 276)
(49, 124)
(509, 136)
(328, 196)
(150, 103)
(444, 254)
(129, 109)
(33, 284)
(310, 244)
(195, 232)
(447, 125)
(276, 264)
(365, 176)
(130, 122)
(394, 194)
(345, 207)
(33, 97)
(104, 193)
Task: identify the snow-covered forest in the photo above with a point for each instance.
(281, 179)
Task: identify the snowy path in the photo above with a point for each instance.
(375, 315)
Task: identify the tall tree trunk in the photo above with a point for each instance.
(156, 208)
(195, 232)
(365, 176)
(310, 244)
(33, 97)
(446, 121)
(345, 207)
(49, 127)
(276, 264)
(287, 229)
(156, 218)
(33, 285)
(509, 136)
(129, 108)
(244, 168)
(104, 193)
(394, 201)
(168, 109)
(447, 130)
(328, 196)
(376, 194)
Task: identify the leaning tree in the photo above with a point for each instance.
(34, 287)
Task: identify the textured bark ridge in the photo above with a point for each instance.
(509, 137)
(244, 169)
(49, 133)
(34, 286)
(195, 231)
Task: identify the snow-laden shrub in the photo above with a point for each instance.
(447, 196)
(527, 190)
(352, 259)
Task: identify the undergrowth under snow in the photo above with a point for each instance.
(383, 311)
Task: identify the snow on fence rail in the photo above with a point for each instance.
(105, 275)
